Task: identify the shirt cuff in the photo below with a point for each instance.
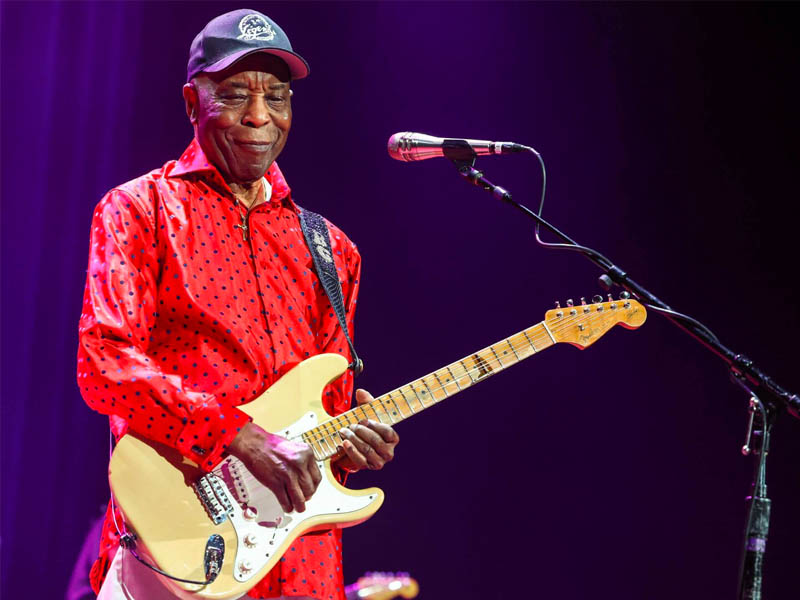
(208, 431)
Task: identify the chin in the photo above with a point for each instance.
(252, 173)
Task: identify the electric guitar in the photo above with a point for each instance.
(173, 507)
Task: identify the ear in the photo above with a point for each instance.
(191, 100)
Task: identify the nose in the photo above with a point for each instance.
(257, 113)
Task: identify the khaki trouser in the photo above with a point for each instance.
(128, 579)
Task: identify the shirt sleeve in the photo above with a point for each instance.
(337, 396)
(116, 375)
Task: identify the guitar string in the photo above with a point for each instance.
(248, 477)
(322, 433)
(327, 436)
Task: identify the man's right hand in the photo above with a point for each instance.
(287, 468)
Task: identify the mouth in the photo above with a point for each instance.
(254, 147)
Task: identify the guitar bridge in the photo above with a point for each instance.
(210, 491)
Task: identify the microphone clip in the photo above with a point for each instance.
(466, 168)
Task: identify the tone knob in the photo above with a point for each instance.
(245, 566)
(250, 540)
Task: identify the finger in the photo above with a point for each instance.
(386, 432)
(307, 485)
(381, 449)
(363, 397)
(283, 498)
(369, 444)
(311, 468)
(316, 474)
(296, 496)
(359, 460)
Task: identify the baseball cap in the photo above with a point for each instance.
(232, 36)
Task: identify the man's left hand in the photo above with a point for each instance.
(367, 445)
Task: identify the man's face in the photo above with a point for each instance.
(242, 115)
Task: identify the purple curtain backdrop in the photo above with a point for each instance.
(670, 134)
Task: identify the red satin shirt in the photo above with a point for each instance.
(183, 320)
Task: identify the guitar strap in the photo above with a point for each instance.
(318, 240)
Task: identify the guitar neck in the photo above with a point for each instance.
(414, 397)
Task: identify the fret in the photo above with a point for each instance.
(381, 417)
(430, 389)
(348, 417)
(442, 387)
(427, 387)
(383, 400)
(411, 385)
(403, 394)
(327, 451)
(408, 404)
(313, 445)
(497, 356)
(326, 429)
(365, 407)
(472, 379)
(422, 393)
(511, 345)
(529, 341)
(547, 329)
(338, 436)
(522, 348)
(453, 377)
(318, 454)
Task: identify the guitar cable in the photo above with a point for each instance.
(215, 546)
(607, 264)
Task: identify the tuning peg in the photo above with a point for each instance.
(583, 300)
(610, 298)
(597, 298)
(624, 295)
(558, 304)
(570, 302)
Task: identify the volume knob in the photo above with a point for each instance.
(245, 566)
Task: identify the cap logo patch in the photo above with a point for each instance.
(255, 27)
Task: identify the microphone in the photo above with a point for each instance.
(409, 146)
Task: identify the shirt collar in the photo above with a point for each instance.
(193, 160)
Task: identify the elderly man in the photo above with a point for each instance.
(201, 293)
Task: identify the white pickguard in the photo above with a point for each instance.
(260, 524)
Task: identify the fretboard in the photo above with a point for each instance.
(414, 397)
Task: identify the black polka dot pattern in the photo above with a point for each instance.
(183, 320)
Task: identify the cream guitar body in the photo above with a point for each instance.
(158, 492)
(174, 508)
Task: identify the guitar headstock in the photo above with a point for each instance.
(383, 586)
(583, 324)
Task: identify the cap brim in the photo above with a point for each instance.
(298, 67)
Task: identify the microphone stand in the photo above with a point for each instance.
(743, 371)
